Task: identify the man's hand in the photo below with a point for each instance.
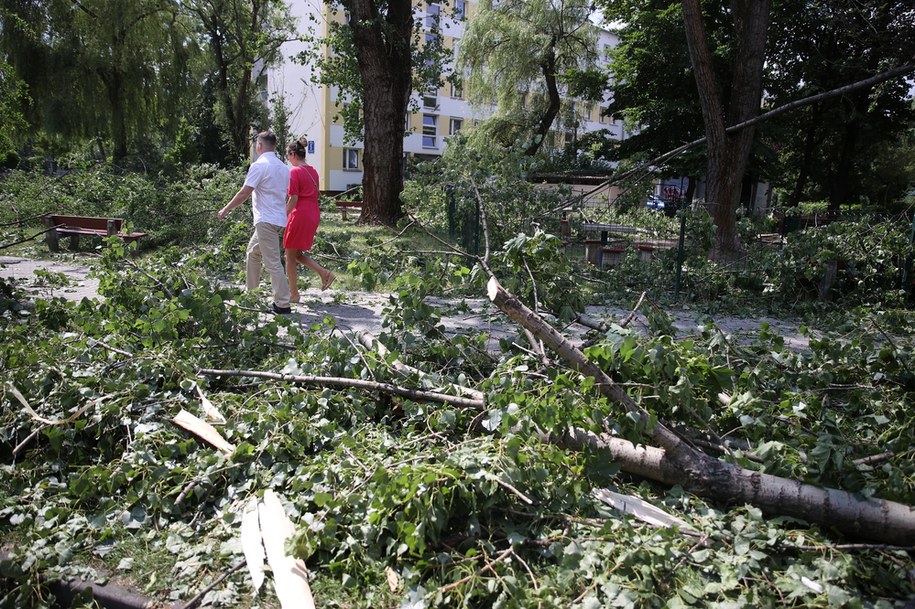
(240, 197)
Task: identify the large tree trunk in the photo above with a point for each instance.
(548, 66)
(677, 462)
(118, 119)
(383, 54)
(851, 514)
(728, 154)
(235, 102)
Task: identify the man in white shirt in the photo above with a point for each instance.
(268, 182)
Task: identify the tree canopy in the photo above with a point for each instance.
(102, 69)
(828, 151)
(513, 58)
(821, 152)
(242, 38)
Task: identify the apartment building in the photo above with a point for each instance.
(436, 115)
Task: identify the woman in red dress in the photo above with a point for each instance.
(303, 218)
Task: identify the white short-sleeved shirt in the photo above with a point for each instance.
(269, 177)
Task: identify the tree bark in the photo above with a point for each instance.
(383, 54)
(676, 462)
(852, 515)
(678, 450)
(370, 342)
(548, 66)
(840, 184)
(118, 120)
(728, 154)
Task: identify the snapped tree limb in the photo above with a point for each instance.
(345, 383)
(676, 462)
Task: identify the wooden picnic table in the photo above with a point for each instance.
(604, 250)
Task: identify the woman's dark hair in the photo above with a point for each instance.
(298, 147)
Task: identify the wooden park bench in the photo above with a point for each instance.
(345, 206)
(75, 226)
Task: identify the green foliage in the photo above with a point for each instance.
(537, 270)
(13, 96)
(456, 182)
(868, 255)
(241, 38)
(851, 138)
(177, 209)
(509, 52)
(380, 486)
(531, 261)
(402, 503)
(339, 68)
(184, 151)
(101, 69)
(654, 90)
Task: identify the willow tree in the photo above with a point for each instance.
(13, 95)
(849, 147)
(243, 38)
(105, 69)
(513, 57)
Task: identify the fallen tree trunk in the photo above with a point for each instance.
(676, 462)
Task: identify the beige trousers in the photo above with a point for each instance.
(264, 250)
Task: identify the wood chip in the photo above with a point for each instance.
(290, 576)
(203, 430)
(252, 545)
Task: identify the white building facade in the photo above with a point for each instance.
(434, 115)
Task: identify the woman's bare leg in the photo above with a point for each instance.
(327, 277)
(292, 273)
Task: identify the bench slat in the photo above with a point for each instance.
(74, 226)
(345, 206)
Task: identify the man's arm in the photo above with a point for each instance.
(240, 197)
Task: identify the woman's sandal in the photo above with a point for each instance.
(327, 280)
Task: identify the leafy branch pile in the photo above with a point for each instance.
(405, 504)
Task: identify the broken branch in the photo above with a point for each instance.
(345, 383)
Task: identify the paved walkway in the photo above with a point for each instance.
(362, 311)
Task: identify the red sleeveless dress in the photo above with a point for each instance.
(303, 220)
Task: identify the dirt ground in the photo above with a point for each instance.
(362, 311)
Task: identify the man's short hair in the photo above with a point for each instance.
(267, 139)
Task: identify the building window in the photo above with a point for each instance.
(430, 130)
(430, 100)
(457, 89)
(455, 125)
(431, 41)
(351, 159)
(602, 116)
(433, 9)
(460, 10)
